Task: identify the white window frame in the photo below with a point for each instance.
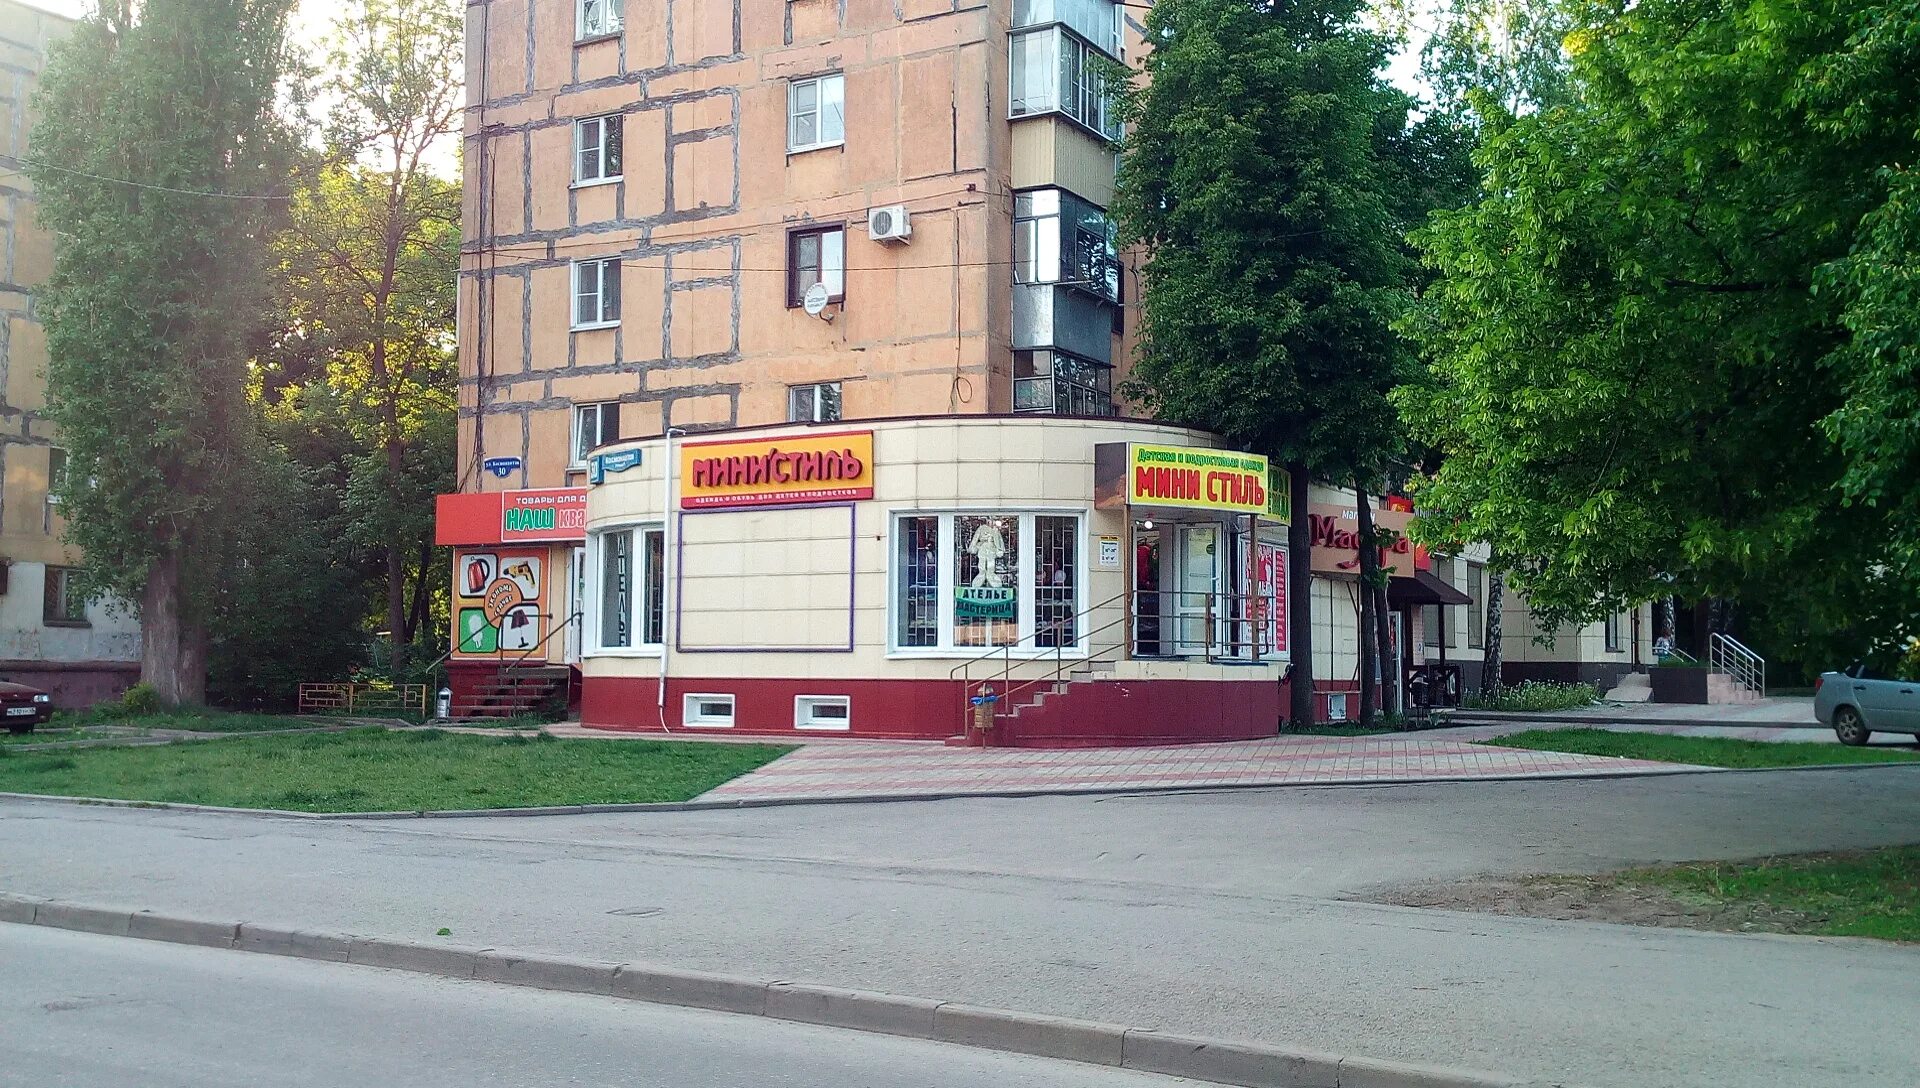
(1084, 100)
(693, 719)
(1027, 576)
(793, 403)
(598, 149)
(805, 714)
(643, 582)
(580, 412)
(53, 477)
(611, 19)
(825, 106)
(600, 295)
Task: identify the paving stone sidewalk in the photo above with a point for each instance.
(895, 770)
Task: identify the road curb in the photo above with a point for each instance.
(1219, 1061)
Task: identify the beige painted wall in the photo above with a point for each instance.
(1018, 465)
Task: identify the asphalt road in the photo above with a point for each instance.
(82, 1011)
(1213, 913)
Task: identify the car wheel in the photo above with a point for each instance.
(1849, 728)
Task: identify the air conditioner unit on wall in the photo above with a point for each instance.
(890, 224)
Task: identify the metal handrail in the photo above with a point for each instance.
(963, 672)
(1251, 617)
(1730, 656)
(552, 630)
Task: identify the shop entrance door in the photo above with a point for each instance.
(1148, 634)
(576, 603)
(1197, 577)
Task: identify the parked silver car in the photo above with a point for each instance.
(1858, 703)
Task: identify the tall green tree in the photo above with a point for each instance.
(371, 262)
(1258, 178)
(1650, 337)
(159, 161)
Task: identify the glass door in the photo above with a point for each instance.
(576, 603)
(1198, 580)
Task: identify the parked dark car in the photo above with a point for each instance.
(23, 707)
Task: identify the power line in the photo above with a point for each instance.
(134, 184)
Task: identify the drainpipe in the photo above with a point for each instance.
(666, 561)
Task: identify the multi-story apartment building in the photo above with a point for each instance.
(51, 636)
(790, 342)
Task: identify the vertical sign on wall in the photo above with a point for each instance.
(1272, 578)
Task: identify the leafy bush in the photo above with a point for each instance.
(1537, 695)
(141, 698)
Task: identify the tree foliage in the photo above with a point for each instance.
(1257, 178)
(157, 158)
(1671, 345)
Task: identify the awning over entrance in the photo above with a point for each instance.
(1424, 587)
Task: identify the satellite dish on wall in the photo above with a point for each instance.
(814, 302)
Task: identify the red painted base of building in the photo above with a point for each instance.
(1098, 714)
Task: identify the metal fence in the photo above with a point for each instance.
(363, 698)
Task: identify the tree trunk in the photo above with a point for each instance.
(1369, 633)
(1300, 597)
(1389, 659)
(173, 652)
(397, 608)
(422, 579)
(1490, 665)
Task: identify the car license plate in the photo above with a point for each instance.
(21, 711)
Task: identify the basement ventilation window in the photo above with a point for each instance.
(708, 711)
(822, 712)
(1337, 707)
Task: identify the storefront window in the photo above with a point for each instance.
(918, 595)
(986, 583)
(616, 590)
(632, 591)
(975, 581)
(1056, 555)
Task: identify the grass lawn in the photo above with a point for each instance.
(1700, 751)
(1867, 893)
(198, 721)
(373, 770)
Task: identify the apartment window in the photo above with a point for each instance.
(1061, 384)
(972, 581)
(1055, 71)
(631, 603)
(66, 603)
(596, 19)
(1098, 21)
(1612, 628)
(816, 113)
(815, 403)
(1059, 238)
(1476, 608)
(596, 149)
(594, 425)
(56, 474)
(816, 256)
(596, 293)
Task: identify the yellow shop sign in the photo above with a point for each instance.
(1196, 478)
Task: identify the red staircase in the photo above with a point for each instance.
(513, 691)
